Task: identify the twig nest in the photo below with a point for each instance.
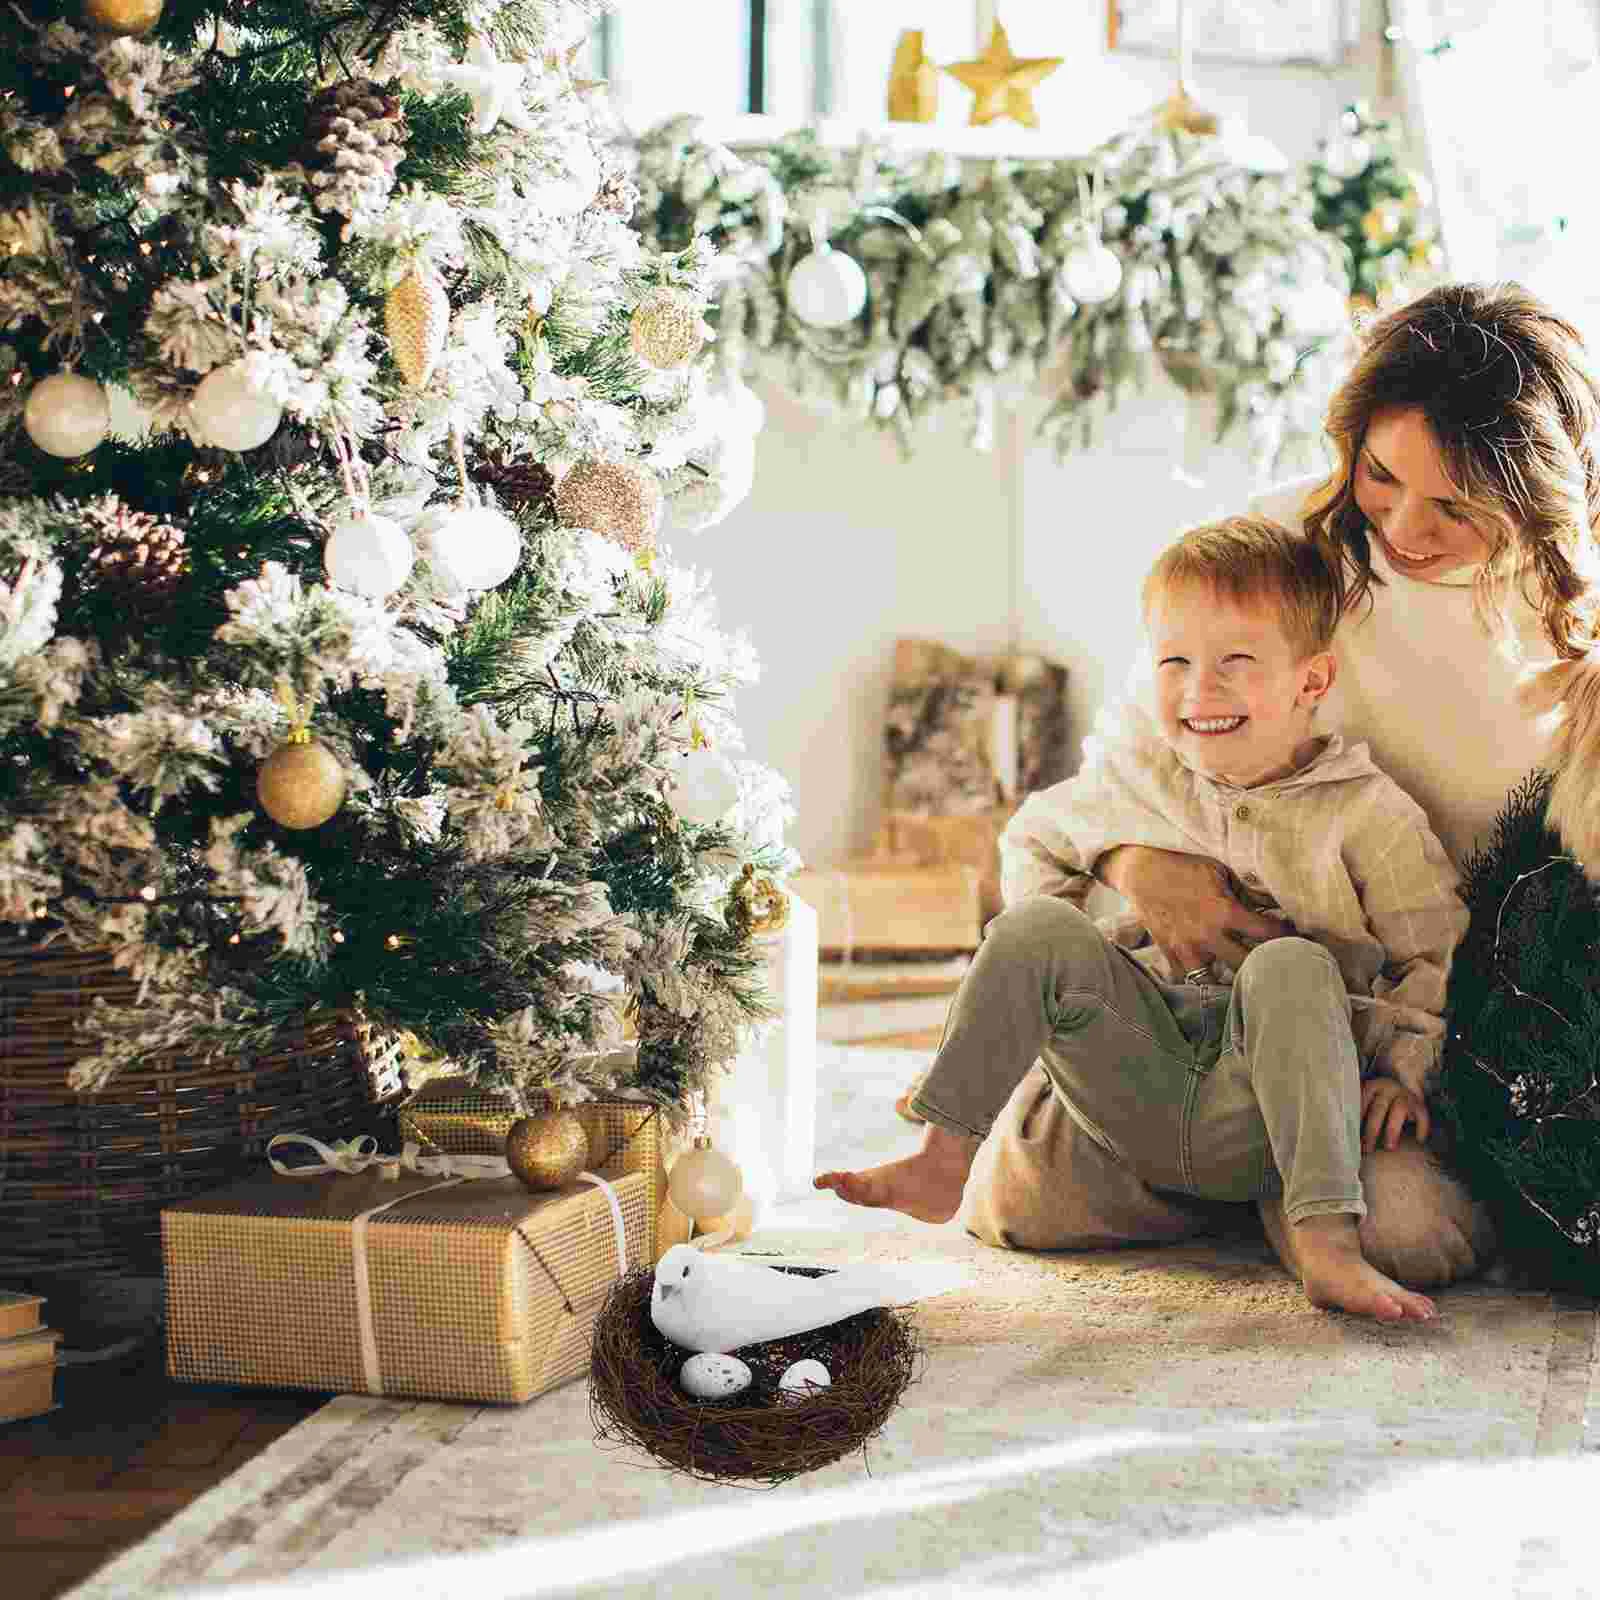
(619, 499)
(758, 1433)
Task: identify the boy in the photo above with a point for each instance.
(1215, 1083)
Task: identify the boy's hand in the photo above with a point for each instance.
(1386, 1107)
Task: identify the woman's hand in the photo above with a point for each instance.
(1185, 903)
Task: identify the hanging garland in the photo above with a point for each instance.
(976, 285)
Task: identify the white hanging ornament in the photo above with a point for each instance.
(826, 288)
(368, 555)
(1090, 272)
(67, 415)
(1347, 156)
(703, 1182)
(416, 316)
(476, 547)
(705, 788)
(231, 411)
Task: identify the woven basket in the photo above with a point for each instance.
(83, 1177)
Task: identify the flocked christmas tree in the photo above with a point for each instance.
(341, 667)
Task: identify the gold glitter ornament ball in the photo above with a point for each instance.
(548, 1150)
(668, 328)
(122, 18)
(300, 785)
(616, 498)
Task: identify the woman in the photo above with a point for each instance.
(1464, 507)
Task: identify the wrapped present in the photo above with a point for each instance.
(454, 1116)
(396, 1283)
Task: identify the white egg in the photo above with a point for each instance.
(800, 1380)
(713, 1377)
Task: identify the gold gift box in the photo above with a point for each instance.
(454, 1116)
(480, 1291)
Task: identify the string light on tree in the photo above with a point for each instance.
(301, 784)
(66, 415)
(231, 410)
(124, 19)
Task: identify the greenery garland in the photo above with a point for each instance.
(1227, 282)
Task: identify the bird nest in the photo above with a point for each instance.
(634, 1396)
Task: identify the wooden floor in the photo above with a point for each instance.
(128, 1448)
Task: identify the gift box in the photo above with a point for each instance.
(369, 1284)
(452, 1116)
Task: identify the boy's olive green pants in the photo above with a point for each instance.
(1218, 1092)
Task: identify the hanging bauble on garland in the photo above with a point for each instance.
(619, 499)
(232, 411)
(476, 547)
(1090, 272)
(67, 415)
(547, 1150)
(668, 328)
(368, 555)
(416, 316)
(124, 19)
(826, 288)
(1347, 156)
(301, 784)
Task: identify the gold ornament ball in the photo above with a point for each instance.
(704, 1182)
(300, 785)
(667, 329)
(548, 1150)
(615, 498)
(123, 18)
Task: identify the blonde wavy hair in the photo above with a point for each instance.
(1255, 561)
(1512, 399)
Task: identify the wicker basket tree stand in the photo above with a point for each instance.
(83, 1177)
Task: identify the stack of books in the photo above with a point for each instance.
(27, 1357)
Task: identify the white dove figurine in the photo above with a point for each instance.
(717, 1303)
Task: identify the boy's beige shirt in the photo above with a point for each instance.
(1337, 849)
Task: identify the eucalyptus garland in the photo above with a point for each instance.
(1226, 281)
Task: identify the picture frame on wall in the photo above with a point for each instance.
(1264, 33)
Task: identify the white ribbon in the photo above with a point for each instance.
(351, 1156)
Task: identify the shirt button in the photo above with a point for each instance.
(1241, 812)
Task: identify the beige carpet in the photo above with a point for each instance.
(1172, 1421)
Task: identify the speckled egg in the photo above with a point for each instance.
(801, 1380)
(713, 1377)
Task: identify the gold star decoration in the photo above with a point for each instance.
(1002, 84)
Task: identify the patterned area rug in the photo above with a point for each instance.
(1088, 1424)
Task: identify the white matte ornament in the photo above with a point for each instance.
(231, 412)
(478, 548)
(703, 1182)
(368, 555)
(1347, 157)
(67, 415)
(1091, 273)
(706, 788)
(827, 288)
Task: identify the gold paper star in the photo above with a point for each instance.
(1002, 84)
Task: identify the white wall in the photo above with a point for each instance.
(843, 547)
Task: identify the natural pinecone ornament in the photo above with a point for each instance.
(356, 135)
(516, 483)
(618, 193)
(136, 555)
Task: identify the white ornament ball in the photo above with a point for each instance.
(477, 548)
(802, 1381)
(231, 411)
(827, 288)
(1316, 308)
(67, 415)
(368, 555)
(1347, 157)
(704, 1183)
(1091, 273)
(713, 1377)
(705, 789)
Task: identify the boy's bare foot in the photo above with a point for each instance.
(927, 1185)
(1337, 1276)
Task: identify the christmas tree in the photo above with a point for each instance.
(1519, 1084)
(341, 666)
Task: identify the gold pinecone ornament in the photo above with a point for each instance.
(355, 142)
(136, 557)
(416, 316)
(619, 499)
(668, 328)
